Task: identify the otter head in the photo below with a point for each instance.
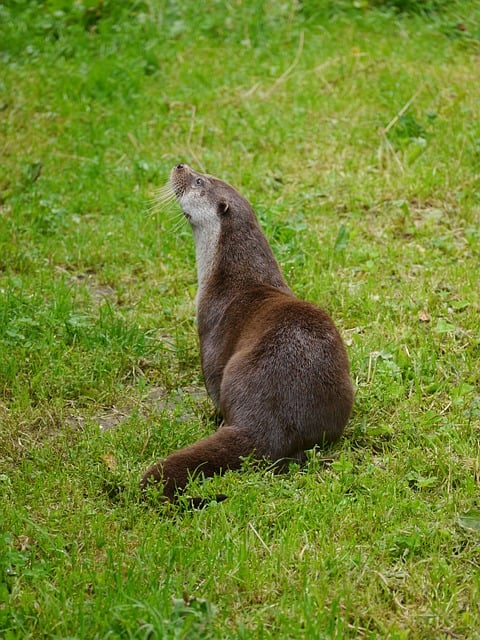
(225, 229)
(203, 198)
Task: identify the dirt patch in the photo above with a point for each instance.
(98, 291)
(192, 399)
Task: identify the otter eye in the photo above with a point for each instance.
(199, 182)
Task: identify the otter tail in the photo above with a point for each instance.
(221, 451)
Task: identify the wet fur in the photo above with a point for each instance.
(275, 366)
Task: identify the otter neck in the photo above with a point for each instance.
(239, 256)
(206, 239)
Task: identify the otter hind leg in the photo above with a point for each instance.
(221, 451)
(282, 465)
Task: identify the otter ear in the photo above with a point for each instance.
(223, 207)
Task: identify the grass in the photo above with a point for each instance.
(353, 129)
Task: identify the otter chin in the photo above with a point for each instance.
(275, 366)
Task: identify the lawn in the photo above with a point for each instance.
(353, 128)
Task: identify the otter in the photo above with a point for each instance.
(275, 366)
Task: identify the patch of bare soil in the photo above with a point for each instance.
(158, 400)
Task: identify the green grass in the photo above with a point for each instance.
(353, 129)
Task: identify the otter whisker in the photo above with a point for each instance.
(158, 204)
(179, 223)
(162, 199)
(164, 194)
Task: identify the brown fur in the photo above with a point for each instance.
(274, 365)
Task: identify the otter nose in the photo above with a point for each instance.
(179, 166)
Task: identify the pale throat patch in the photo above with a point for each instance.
(206, 233)
(206, 244)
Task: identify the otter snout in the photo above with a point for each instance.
(181, 167)
(178, 179)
